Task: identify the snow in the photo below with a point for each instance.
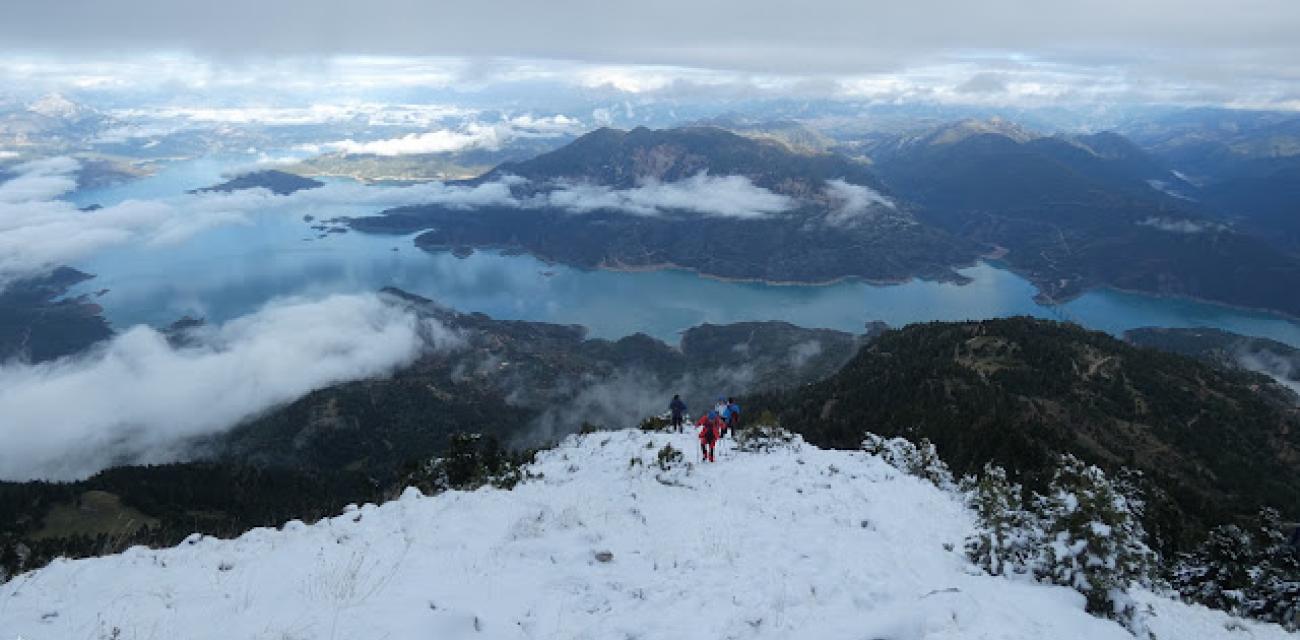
(795, 542)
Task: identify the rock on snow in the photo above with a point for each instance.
(793, 543)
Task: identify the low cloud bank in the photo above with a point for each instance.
(1281, 369)
(853, 204)
(472, 135)
(727, 196)
(802, 353)
(140, 399)
(1181, 225)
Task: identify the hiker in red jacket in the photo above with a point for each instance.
(710, 428)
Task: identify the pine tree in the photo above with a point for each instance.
(1215, 573)
(1275, 577)
(1094, 541)
(1007, 535)
(920, 460)
(1245, 571)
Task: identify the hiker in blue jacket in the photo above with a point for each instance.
(733, 416)
(678, 408)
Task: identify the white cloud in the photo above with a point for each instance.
(472, 135)
(39, 231)
(1279, 368)
(852, 204)
(40, 180)
(441, 141)
(727, 196)
(351, 85)
(140, 400)
(1181, 225)
(801, 353)
(1206, 40)
(152, 122)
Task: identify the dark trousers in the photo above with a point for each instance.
(677, 421)
(706, 450)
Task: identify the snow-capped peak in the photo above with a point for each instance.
(612, 536)
(55, 105)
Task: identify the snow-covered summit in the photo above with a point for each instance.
(56, 105)
(604, 542)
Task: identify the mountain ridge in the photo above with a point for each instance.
(1019, 391)
(632, 534)
(833, 223)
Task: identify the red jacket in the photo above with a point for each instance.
(710, 430)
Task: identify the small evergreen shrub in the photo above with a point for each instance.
(1094, 541)
(1249, 571)
(1004, 543)
(471, 461)
(920, 460)
(1085, 534)
(762, 437)
(669, 457)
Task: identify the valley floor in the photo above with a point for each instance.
(796, 542)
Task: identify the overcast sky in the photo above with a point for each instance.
(1218, 49)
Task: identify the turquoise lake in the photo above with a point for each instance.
(232, 270)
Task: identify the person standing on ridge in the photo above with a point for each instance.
(678, 408)
(733, 416)
(720, 406)
(709, 427)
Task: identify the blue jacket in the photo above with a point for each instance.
(677, 406)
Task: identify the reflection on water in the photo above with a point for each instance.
(231, 271)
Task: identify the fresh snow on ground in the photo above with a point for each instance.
(792, 543)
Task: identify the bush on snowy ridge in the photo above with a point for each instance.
(471, 461)
(669, 457)
(920, 460)
(1246, 571)
(1007, 539)
(1084, 534)
(1095, 540)
(761, 438)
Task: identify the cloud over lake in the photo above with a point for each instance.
(140, 399)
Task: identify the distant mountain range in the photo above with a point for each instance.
(1080, 212)
(1244, 164)
(821, 235)
(1070, 213)
(1226, 349)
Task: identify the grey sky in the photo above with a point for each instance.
(1229, 46)
(765, 35)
